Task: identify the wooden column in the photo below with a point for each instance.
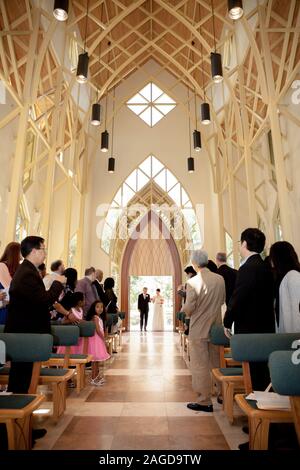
(19, 158)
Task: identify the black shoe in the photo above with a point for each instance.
(245, 429)
(38, 433)
(220, 400)
(145, 329)
(198, 407)
(244, 446)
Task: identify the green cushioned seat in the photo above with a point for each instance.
(111, 319)
(258, 346)
(122, 315)
(227, 355)
(27, 347)
(177, 315)
(187, 321)
(217, 336)
(231, 370)
(86, 329)
(4, 371)
(285, 374)
(15, 402)
(65, 335)
(72, 356)
(51, 372)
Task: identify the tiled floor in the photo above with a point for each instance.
(141, 406)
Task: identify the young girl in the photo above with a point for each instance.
(96, 344)
(76, 303)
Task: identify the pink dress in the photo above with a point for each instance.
(96, 345)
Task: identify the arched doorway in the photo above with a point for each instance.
(167, 263)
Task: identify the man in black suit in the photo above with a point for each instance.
(251, 304)
(99, 286)
(228, 274)
(28, 310)
(143, 307)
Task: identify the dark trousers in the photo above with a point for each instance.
(20, 377)
(260, 375)
(143, 319)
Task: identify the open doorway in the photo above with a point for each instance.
(165, 284)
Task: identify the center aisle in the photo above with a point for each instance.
(142, 405)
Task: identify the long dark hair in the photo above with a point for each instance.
(11, 257)
(71, 275)
(92, 312)
(284, 259)
(109, 283)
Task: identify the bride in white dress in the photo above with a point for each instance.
(158, 314)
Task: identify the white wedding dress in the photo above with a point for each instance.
(158, 314)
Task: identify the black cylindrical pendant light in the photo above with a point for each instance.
(205, 113)
(104, 141)
(82, 67)
(96, 114)
(191, 165)
(111, 165)
(216, 67)
(197, 140)
(235, 9)
(60, 10)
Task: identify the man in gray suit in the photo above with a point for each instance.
(205, 296)
(86, 286)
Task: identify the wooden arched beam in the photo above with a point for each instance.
(126, 260)
(113, 24)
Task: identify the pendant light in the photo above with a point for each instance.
(83, 58)
(111, 165)
(105, 134)
(191, 165)
(235, 9)
(96, 108)
(190, 159)
(204, 108)
(96, 114)
(196, 133)
(60, 10)
(111, 160)
(215, 57)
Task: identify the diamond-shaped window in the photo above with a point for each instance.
(151, 104)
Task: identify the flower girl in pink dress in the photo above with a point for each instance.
(96, 343)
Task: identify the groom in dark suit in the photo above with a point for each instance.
(143, 307)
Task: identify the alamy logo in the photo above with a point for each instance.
(296, 354)
(2, 353)
(296, 93)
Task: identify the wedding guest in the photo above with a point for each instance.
(204, 299)
(285, 262)
(229, 274)
(87, 287)
(42, 270)
(57, 269)
(99, 286)
(28, 310)
(9, 262)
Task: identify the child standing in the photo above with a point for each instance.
(76, 302)
(96, 343)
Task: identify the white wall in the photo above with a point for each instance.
(168, 140)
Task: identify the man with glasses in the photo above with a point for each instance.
(28, 310)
